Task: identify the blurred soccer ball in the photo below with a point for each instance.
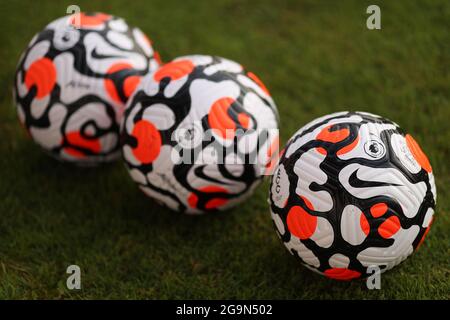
(72, 83)
(199, 134)
(352, 191)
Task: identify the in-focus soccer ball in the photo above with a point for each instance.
(72, 83)
(352, 191)
(189, 127)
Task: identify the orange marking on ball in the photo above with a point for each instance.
(418, 154)
(110, 86)
(74, 152)
(192, 200)
(219, 120)
(42, 74)
(244, 120)
(300, 223)
(308, 203)
(424, 235)
(321, 150)
(342, 273)
(148, 141)
(365, 226)
(258, 81)
(379, 209)
(130, 84)
(389, 227)
(157, 57)
(273, 155)
(215, 203)
(349, 147)
(210, 204)
(174, 70)
(333, 136)
(76, 139)
(89, 20)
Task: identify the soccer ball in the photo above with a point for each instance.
(199, 134)
(72, 83)
(352, 194)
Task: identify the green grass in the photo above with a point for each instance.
(316, 57)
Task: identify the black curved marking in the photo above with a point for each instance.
(97, 55)
(355, 182)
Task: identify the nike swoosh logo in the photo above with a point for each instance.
(355, 182)
(97, 55)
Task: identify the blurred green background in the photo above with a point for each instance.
(316, 57)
